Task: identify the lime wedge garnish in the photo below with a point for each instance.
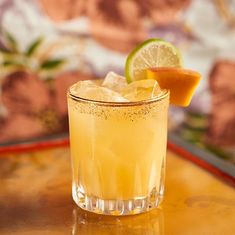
(152, 53)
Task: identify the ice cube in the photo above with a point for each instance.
(114, 82)
(78, 88)
(141, 90)
(89, 90)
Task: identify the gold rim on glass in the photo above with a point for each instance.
(163, 95)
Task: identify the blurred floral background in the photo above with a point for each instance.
(47, 45)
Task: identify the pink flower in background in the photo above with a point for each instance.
(24, 96)
(21, 92)
(59, 10)
(118, 25)
(221, 130)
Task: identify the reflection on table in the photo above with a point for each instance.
(35, 198)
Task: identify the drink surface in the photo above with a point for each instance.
(114, 88)
(118, 142)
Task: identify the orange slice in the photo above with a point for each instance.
(181, 83)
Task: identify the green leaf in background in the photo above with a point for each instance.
(8, 63)
(51, 64)
(11, 42)
(191, 135)
(33, 47)
(218, 151)
(196, 114)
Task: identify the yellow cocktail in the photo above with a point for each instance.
(118, 153)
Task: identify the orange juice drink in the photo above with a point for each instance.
(118, 152)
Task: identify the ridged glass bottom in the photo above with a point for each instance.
(118, 207)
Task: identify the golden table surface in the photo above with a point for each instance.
(35, 198)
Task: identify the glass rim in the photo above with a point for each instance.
(165, 93)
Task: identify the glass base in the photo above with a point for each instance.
(118, 207)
